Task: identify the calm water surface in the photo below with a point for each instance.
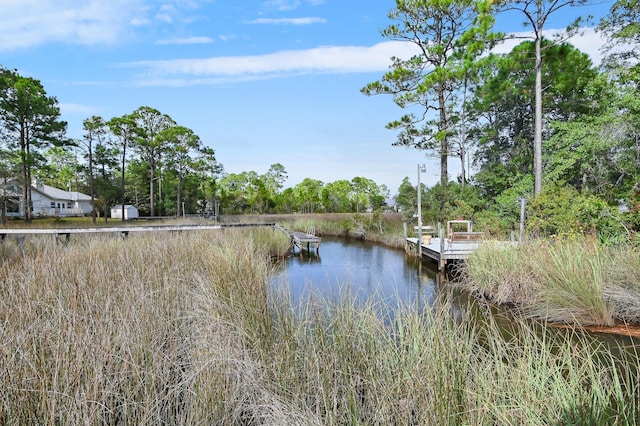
(362, 269)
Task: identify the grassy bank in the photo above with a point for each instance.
(383, 228)
(182, 329)
(572, 281)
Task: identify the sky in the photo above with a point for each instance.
(260, 81)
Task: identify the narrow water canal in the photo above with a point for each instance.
(363, 269)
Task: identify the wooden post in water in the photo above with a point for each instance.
(406, 235)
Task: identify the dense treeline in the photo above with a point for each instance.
(147, 159)
(543, 106)
(541, 122)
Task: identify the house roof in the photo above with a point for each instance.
(48, 191)
(6, 192)
(59, 194)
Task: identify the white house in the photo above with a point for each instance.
(130, 212)
(47, 200)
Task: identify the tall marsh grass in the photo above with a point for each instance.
(183, 329)
(573, 281)
(270, 241)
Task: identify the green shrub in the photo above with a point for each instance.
(562, 211)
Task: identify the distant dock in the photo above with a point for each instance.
(302, 240)
(64, 234)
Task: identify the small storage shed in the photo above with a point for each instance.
(130, 212)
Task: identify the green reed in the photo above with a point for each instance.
(572, 281)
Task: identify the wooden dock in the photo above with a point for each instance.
(64, 234)
(460, 242)
(298, 239)
(444, 250)
(302, 239)
(123, 231)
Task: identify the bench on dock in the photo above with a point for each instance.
(465, 236)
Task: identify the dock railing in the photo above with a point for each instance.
(466, 236)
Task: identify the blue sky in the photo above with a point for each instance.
(260, 81)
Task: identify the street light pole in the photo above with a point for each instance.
(421, 168)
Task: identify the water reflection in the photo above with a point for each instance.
(362, 269)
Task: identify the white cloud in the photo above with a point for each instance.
(186, 40)
(320, 60)
(69, 108)
(164, 17)
(227, 37)
(330, 59)
(139, 21)
(25, 23)
(587, 41)
(590, 43)
(283, 4)
(28, 23)
(288, 21)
